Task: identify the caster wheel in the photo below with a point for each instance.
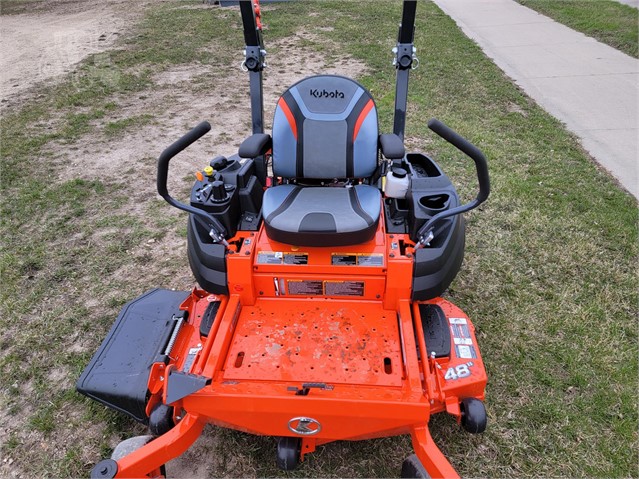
(131, 445)
(473, 415)
(161, 419)
(413, 468)
(105, 469)
(288, 453)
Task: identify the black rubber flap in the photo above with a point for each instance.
(436, 330)
(118, 373)
(209, 317)
(182, 384)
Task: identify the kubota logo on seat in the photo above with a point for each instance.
(326, 94)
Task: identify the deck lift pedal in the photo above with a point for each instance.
(318, 315)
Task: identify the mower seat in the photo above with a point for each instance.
(324, 129)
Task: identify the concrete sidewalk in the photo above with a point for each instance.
(591, 87)
(632, 3)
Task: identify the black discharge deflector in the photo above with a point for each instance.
(118, 373)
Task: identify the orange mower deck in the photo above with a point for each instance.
(350, 369)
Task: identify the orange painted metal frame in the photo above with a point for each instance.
(366, 346)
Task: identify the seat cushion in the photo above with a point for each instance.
(321, 216)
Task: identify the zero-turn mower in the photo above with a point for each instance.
(320, 266)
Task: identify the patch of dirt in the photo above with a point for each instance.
(514, 108)
(183, 96)
(50, 41)
(220, 97)
(180, 74)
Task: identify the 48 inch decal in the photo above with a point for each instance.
(458, 372)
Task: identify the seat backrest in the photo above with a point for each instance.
(325, 126)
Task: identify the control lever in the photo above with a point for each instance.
(217, 231)
(426, 232)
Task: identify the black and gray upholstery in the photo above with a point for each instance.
(315, 216)
(325, 127)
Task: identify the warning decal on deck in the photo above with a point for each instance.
(306, 288)
(295, 258)
(370, 260)
(359, 259)
(462, 338)
(269, 257)
(466, 352)
(338, 259)
(186, 368)
(344, 288)
(327, 288)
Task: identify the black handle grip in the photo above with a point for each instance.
(425, 233)
(163, 162)
(217, 230)
(469, 149)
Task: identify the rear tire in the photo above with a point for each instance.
(288, 453)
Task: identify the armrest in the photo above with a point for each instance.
(392, 146)
(255, 145)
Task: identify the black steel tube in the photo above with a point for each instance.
(407, 28)
(251, 35)
(163, 162)
(403, 63)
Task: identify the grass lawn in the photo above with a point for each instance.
(549, 278)
(608, 21)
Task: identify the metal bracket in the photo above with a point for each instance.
(181, 385)
(306, 388)
(425, 239)
(254, 59)
(405, 57)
